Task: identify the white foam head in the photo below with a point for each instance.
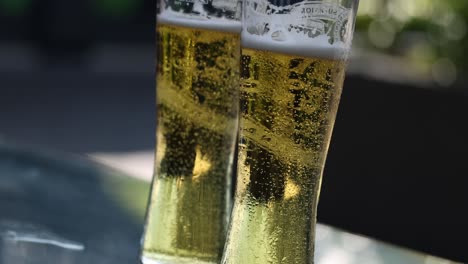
(318, 47)
(169, 16)
(301, 29)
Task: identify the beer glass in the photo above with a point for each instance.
(294, 55)
(197, 78)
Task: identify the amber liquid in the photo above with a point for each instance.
(197, 101)
(288, 108)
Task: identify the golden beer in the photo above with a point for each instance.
(197, 103)
(288, 104)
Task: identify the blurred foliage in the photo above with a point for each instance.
(107, 8)
(431, 34)
(14, 7)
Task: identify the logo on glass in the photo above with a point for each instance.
(310, 19)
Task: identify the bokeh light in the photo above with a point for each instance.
(428, 35)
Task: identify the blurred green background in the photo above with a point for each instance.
(429, 35)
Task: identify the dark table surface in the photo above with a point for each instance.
(56, 210)
(62, 209)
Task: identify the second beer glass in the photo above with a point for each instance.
(197, 104)
(292, 69)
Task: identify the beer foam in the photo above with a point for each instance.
(293, 44)
(285, 32)
(199, 21)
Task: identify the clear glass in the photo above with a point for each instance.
(197, 103)
(294, 55)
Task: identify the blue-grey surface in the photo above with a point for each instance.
(68, 210)
(54, 210)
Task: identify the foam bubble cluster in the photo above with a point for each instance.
(318, 47)
(200, 21)
(304, 29)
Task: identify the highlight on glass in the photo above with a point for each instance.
(294, 56)
(197, 77)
